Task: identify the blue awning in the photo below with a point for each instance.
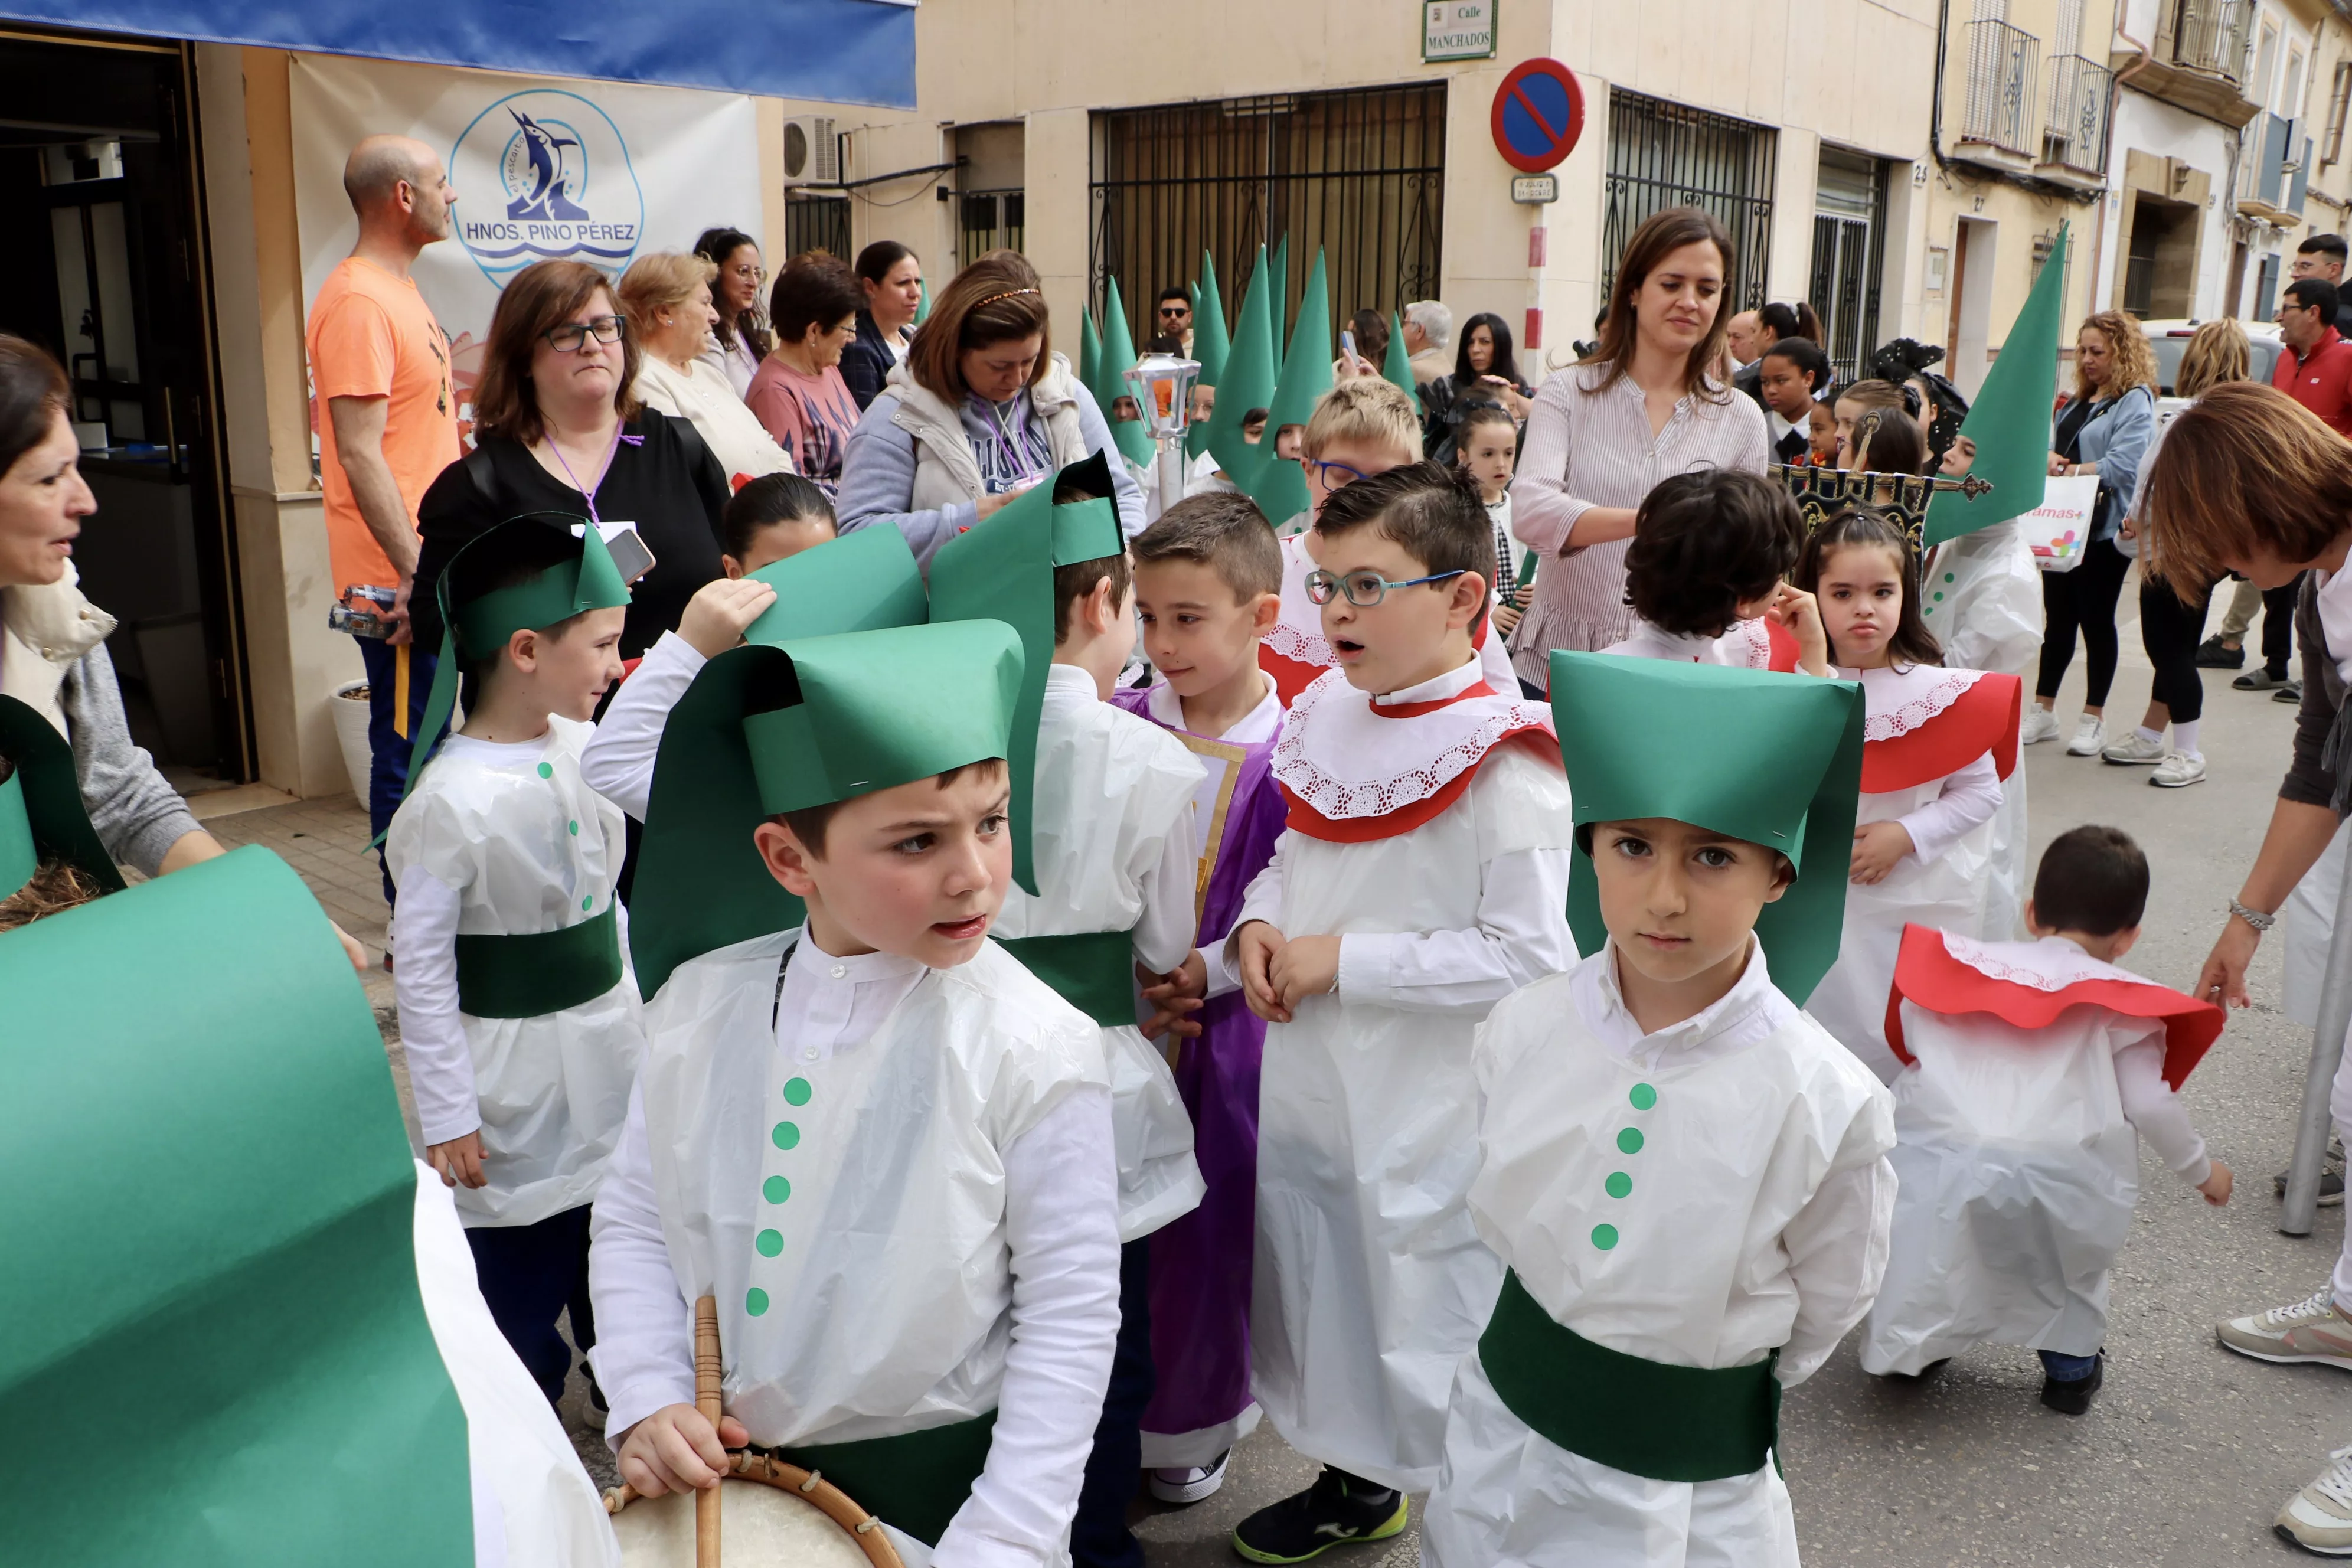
(839, 51)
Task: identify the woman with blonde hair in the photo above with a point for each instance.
(667, 297)
(2170, 623)
(2103, 430)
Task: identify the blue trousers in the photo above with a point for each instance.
(528, 1274)
(1099, 1537)
(387, 749)
(2067, 1368)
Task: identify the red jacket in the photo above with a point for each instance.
(2320, 381)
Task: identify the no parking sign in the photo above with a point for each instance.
(1539, 115)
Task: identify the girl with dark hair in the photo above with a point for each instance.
(740, 334)
(1887, 441)
(773, 518)
(1923, 829)
(890, 275)
(1602, 433)
(1797, 321)
(800, 394)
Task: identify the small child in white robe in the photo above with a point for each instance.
(1707, 572)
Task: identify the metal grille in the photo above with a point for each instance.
(1664, 156)
(2002, 72)
(2212, 36)
(815, 223)
(1849, 259)
(1358, 173)
(989, 220)
(2076, 135)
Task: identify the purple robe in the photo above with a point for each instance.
(1201, 1263)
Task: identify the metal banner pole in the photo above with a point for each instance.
(2327, 1055)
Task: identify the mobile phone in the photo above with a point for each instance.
(1347, 343)
(628, 551)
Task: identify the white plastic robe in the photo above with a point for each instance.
(534, 1506)
(2018, 1174)
(530, 847)
(879, 1169)
(1370, 1281)
(1113, 843)
(1989, 616)
(2310, 927)
(1755, 1218)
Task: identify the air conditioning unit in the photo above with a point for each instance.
(811, 151)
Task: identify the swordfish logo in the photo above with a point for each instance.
(551, 179)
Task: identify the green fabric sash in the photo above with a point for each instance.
(1093, 972)
(19, 858)
(540, 971)
(914, 1482)
(1644, 1417)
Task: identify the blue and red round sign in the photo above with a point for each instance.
(1539, 115)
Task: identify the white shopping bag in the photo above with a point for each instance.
(2060, 528)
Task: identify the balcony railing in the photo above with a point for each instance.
(2001, 76)
(2076, 133)
(2211, 35)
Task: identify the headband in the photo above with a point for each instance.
(1008, 294)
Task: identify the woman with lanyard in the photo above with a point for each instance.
(981, 409)
(557, 428)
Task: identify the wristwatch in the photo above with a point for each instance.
(2254, 917)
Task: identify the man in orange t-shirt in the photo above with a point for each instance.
(387, 422)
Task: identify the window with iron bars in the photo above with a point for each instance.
(1662, 155)
(815, 223)
(1849, 257)
(1358, 173)
(989, 220)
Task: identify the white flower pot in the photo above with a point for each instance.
(349, 706)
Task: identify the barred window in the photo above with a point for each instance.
(1664, 156)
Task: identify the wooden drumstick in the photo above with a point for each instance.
(707, 1373)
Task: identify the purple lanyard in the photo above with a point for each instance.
(586, 493)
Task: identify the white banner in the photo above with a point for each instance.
(582, 171)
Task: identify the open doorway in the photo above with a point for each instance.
(1971, 291)
(99, 185)
(2159, 256)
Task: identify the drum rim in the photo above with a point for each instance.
(862, 1527)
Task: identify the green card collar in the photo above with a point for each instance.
(41, 813)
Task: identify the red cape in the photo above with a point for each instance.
(1982, 718)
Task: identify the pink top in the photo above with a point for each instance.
(811, 416)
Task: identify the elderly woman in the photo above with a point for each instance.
(799, 394)
(740, 337)
(556, 427)
(891, 278)
(53, 641)
(667, 298)
(982, 409)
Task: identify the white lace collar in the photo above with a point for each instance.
(1347, 762)
(1897, 702)
(1437, 689)
(1297, 634)
(1747, 645)
(2051, 964)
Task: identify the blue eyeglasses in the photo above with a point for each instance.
(1363, 589)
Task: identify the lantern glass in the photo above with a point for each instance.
(1162, 385)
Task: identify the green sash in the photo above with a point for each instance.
(1644, 1417)
(541, 972)
(914, 1482)
(1093, 972)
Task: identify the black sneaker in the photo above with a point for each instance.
(2215, 654)
(1339, 1510)
(2074, 1398)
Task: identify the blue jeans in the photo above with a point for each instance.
(2067, 1368)
(1099, 1537)
(388, 750)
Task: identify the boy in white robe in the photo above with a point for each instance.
(518, 1018)
(1104, 865)
(1421, 879)
(1685, 1175)
(882, 1145)
(1706, 576)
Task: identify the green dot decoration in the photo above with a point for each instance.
(786, 1135)
(797, 1091)
(546, 770)
(775, 1189)
(1619, 1183)
(575, 828)
(1630, 1141)
(1605, 1237)
(586, 901)
(769, 1242)
(1643, 1096)
(755, 1300)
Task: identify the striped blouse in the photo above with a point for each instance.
(1587, 445)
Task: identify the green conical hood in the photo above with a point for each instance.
(1005, 570)
(923, 305)
(1397, 369)
(41, 813)
(1280, 487)
(1210, 346)
(858, 583)
(1772, 759)
(1135, 442)
(1089, 355)
(1246, 382)
(263, 1309)
(1278, 308)
(2010, 420)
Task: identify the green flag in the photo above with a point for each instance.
(1246, 382)
(1210, 345)
(1089, 354)
(1278, 306)
(1280, 487)
(1397, 370)
(1135, 442)
(2010, 421)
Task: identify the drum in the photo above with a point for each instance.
(773, 1515)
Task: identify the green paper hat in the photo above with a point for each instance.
(1135, 443)
(1772, 759)
(923, 304)
(475, 628)
(1278, 305)
(860, 582)
(1246, 382)
(299, 1357)
(816, 720)
(1003, 569)
(41, 815)
(1210, 346)
(2010, 420)
(1090, 355)
(1280, 487)
(1397, 369)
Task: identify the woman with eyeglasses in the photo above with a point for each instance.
(558, 428)
(739, 338)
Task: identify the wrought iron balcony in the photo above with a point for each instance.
(2001, 77)
(2211, 35)
(2076, 135)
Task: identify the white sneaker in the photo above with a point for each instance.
(2040, 724)
(2136, 748)
(1186, 1484)
(2319, 1518)
(2178, 771)
(2090, 735)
